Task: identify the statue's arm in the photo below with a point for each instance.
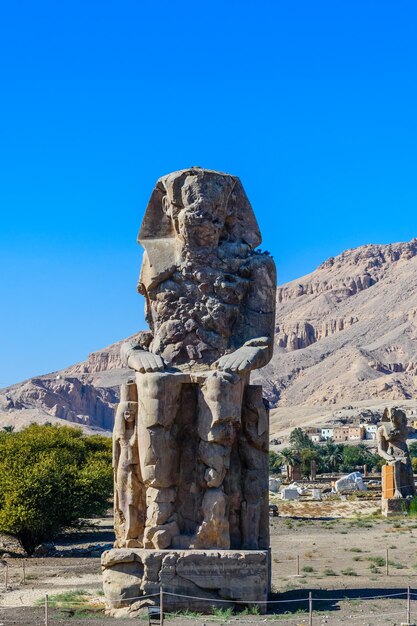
(255, 333)
(116, 454)
(383, 445)
(135, 356)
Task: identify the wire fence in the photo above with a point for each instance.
(303, 611)
(296, 611)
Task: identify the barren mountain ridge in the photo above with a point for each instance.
(346, 333)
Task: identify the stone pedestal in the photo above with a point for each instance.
(389, 504)
(394, 506)
(209, 575)
(388, 486)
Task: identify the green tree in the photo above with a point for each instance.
(51, 477)
(331, 457)
(290, 458)
(275, 462)
(299, 440)
(307, 455)
(355, 457)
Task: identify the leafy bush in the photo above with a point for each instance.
(51, 477)
(329, 572)
(413, 449)
(349, 572)
(412, 510)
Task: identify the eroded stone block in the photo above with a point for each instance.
(206, 577)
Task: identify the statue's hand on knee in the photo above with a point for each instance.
(242, 360)
(143, 361)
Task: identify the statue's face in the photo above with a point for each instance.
(396, 418)
(200, 220)
(128, 415)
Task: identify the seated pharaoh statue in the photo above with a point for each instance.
(392, 446)
(191, 432)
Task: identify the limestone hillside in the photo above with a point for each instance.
(346, 333)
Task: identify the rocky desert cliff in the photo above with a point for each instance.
(346, 333)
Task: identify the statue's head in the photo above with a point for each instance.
(199, 208)
(128, 405)
(396, 416)
(128, 410)
(198, 204)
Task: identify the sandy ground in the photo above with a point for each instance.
(335, 550)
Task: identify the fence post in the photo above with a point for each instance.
(6, 577)
(298, 564)
(161, 606)
(310, 609)
(386, 564)
(408, 605)
(24, 570)
(46, 609)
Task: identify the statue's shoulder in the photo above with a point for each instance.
(262, 270)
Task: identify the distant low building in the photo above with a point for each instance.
(348, 433)
(326, 433)
(313, 433)
(341, 433)
(356, 432)
(370, 431)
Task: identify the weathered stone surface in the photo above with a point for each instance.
(197, 429)
(394, 506)
(397, 475)
(209, 575)
(392, 446)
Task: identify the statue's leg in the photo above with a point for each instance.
(397, 479)
(159, 396)
(119, 521)
(134, 511)
(219, 410)
(407, 478)
(253, 452)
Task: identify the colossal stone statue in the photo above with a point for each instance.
(392, 446)
(191, 457)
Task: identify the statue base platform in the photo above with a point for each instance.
(210, 578)
(394, 506)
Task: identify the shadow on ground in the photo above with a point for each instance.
(297, 600)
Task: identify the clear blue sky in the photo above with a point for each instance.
(313, 104)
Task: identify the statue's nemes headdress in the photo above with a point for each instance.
(157, 234)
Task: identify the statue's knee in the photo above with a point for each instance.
(152, 384)
(223, 397)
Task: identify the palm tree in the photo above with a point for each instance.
(333, 455)
(290, 458)
(299, 439)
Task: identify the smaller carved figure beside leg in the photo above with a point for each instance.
(129, 500)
